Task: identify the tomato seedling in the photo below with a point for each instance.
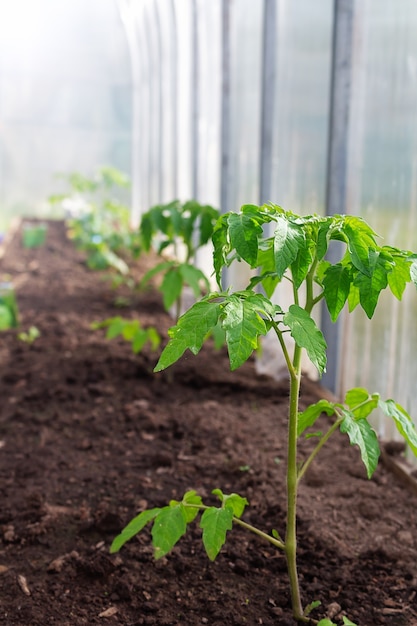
(178, 230)
(280, 245)
(99, 224)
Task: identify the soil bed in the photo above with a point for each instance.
(90, 436)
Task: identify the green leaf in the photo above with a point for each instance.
(362, 434)
(354, 297)
(233, 500)
(154, 337)
(133, 528)
(191, 498)
(190, 331)
(301, 265)
(347, 622)
(413, 272)
(215, 524)
(288, 239)
(159, 268)
(361, 239)
(360, 402)
(221, 246)
(308, 417)
(399, 277)
(171, 287)
(138, 340)
(336, 283)
(115, 328)
(244, 234)
(169, 526)
(371, 284)
(243, 324)
(403, 422)
(306, 335)
(195, 278)
(326, 622)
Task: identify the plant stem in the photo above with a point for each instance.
(292, 485)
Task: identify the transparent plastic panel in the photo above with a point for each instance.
(209, 99)
(245, 94)
(184, 38)
(167, 27)
(303, 58)
(383, 189)
(65, 97)
(301, 111)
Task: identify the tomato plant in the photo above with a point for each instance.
(280, 245)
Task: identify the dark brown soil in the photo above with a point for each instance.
(90, 436)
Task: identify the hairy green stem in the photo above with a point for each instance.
(292, 485)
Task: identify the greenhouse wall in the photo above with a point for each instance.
(247, 120)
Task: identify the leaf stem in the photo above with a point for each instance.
(276, 542)
(280, 335)
(318, 447)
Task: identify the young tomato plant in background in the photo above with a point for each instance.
(178, 230)
(99, 224)
(281, 245)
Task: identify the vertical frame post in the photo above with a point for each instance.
(337, 162)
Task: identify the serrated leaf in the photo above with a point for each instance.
(413, 272)
(194, 277)
(360, 402)
(243, 325)
(191, 513)
(402, 420)
(133, 528)
(353, 298)
(363, 435)
(221, 246)
(288, 239)
(171, 287)
(244, 233)
(336, 283)
(215, 524)
(169, 526)
(308, 417)
(361, 239)
(139, 340)
(115, 328)
(301, 265)
(153, 337)
(399, 277)
(130, 328)
(233, 500)
(157, 269)
(323, 238)
(189, 332)
(306, 335)
(370, 285)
